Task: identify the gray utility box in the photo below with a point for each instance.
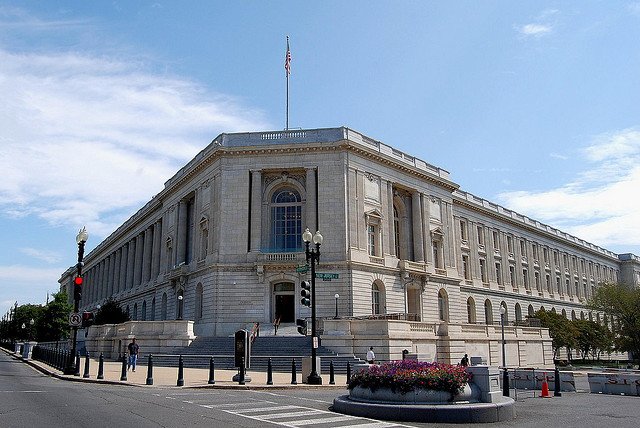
(306, 368)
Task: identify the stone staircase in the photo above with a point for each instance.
(282, 349)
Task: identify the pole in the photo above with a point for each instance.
(288, 69)
(314, 255)
(505, 374)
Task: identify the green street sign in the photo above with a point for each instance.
(326, 276)
(302, 268)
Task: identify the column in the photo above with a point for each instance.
(110, 260)
(137, 276)
(388, 230)
(146, 255)
(256, 211)
(312, 221)
(116, 271)
(181, 238)
(131, 262)
(123, 267)
(157, 239)
(418, 235)
(426, 229)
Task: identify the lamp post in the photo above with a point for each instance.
(31, 323)
(505, 374)
(81, 239)
(313, 256)
(337, 296)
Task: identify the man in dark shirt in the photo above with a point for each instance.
(133, 354)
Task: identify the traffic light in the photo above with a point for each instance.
(302, 326)
(88, 319)
(77, 288)
(305, 293)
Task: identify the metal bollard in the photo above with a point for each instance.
(86, 366)
(556, 383)
(180, 372)
(293, 372)
(123, 374)
(150, 370)
(212, 375)
(348, 372)
(77, 369)
(101, 366)
(332, 374)
(269, 373)
(241, 378)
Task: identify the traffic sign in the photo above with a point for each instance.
(75, 319)
(302, 268)
(326, 276)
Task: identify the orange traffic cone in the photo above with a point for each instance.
(545, 387)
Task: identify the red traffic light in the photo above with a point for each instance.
(78, 280)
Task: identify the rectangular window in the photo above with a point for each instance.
(555, 257)
(496, 240)
(534, 247)
(463, 230)
(545, 254)
(480, 235)
(537, 279)
(548, 282)
(509, 244)
(465, 267)
(523, 252)
(512, 275)
(483, 271)
(498, 273)
(566, 286)
(558, 285)
(525, 278)
(372, 239)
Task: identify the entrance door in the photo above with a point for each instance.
(284, 302)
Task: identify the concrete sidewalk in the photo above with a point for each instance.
(194, 378)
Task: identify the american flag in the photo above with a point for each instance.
(287, 59)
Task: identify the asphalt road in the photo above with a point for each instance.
(31, 399)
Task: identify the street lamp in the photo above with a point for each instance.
(313, 256)
(337, 296)
(31, 323)
(81, 239)
(505, 374)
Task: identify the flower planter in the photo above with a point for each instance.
(469, 394)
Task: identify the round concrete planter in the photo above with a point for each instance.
(469, 394)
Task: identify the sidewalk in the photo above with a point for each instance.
(194, 378)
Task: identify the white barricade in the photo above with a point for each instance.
(614, 383)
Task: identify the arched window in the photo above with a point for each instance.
(180, 305)
(443, 305)
(153, 310)
(553, 309)
(582, 315)
(163, 307)
(471, 310)
(135, 312)
(518, 311)
(573, 315)
(144, 311)
(128, 312)
(530, 311)
(564, 313)
(377, 298)
(286, 220)
(503, 305)
(488, 312)
(198, 314)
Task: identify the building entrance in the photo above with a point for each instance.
(284, 302)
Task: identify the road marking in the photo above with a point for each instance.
(268, 409)
(26, 392)
(325, 420)
(293, 414)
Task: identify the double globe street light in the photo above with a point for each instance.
(313, 256)
(81, 239)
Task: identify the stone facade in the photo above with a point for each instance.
(220, 244)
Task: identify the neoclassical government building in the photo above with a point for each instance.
(421, 264)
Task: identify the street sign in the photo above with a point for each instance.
(75, 319)
(302, 268)
(326, 276)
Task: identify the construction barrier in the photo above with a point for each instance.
(614, 383)
(532, 379)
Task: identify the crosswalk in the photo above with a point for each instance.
(297, 416)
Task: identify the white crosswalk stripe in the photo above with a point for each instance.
(328, 420)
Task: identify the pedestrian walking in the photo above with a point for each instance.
(464, 361)
(371, 356)
(133, 354)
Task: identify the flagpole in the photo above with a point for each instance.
(287, 67)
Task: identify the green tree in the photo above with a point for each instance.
(622, 304)
(54, 324)
(27, 319)
(592, 339)
(111, 313)
(563, 333)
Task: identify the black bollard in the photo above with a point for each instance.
(86, 366)
(123, 375)
(101, 366)
(348, 372)
(293, 372)
(180, 372)
(332, 374)
(150, 370)
(77, 370)
(269, 372)
(556, 383)
(241, 378)
(505, 382)
(212, 372)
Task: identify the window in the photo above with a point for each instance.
(534, 248)
(443, 305)
(518, 311)
(153, 309)
(525, 278)
(135, 312)
(512, 275)
(496, 240)
(566, 286)
(498, 273)
(522, 248)
(437, 251)
(180, 305)
(545, 254)
(504, 317)
(547, 279)
(375, 299)
(530, 311)
(488, 312)
(555, 257)
(463, 230)
(558, 284)
(537, 280)
(509, 244)
(372, 239)
(204, 244)
(471, 311)
(480, 235)
(144, 311)
(465, 267)
(199, 305)
(483, 271)
(286, 220)
(396, 231)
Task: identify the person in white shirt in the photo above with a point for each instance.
(371, 357)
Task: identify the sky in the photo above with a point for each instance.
(532, 105)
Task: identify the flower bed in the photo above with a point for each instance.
(409, 375)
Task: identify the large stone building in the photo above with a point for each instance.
(421, 264)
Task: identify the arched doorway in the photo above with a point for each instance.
(284, 303)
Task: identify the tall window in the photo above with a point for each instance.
(463, 230)
(286, 217)
(518, 311)
(525, 278)
(488, 312)
(199, 295)
(480, 235)
(144, 310)
(512, 275)
(483, 270)
(372, 239)
(153, 309)
(163, 307)
(471, 310)
(443, 305)
(135, 312)
(498, 273)
(376, 299)
(188, 255)
(509, 244)
(396, 231)
(465, 267)
(536, 275)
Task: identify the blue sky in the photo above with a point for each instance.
(533, 105)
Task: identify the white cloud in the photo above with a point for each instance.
(88, 139)
(601, 204)
(535, 30)
(44, 255)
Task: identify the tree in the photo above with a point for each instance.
(622, 304)
(111, 313)
(54, 324)
(561, 330)
(26, 330)
(592, 339)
